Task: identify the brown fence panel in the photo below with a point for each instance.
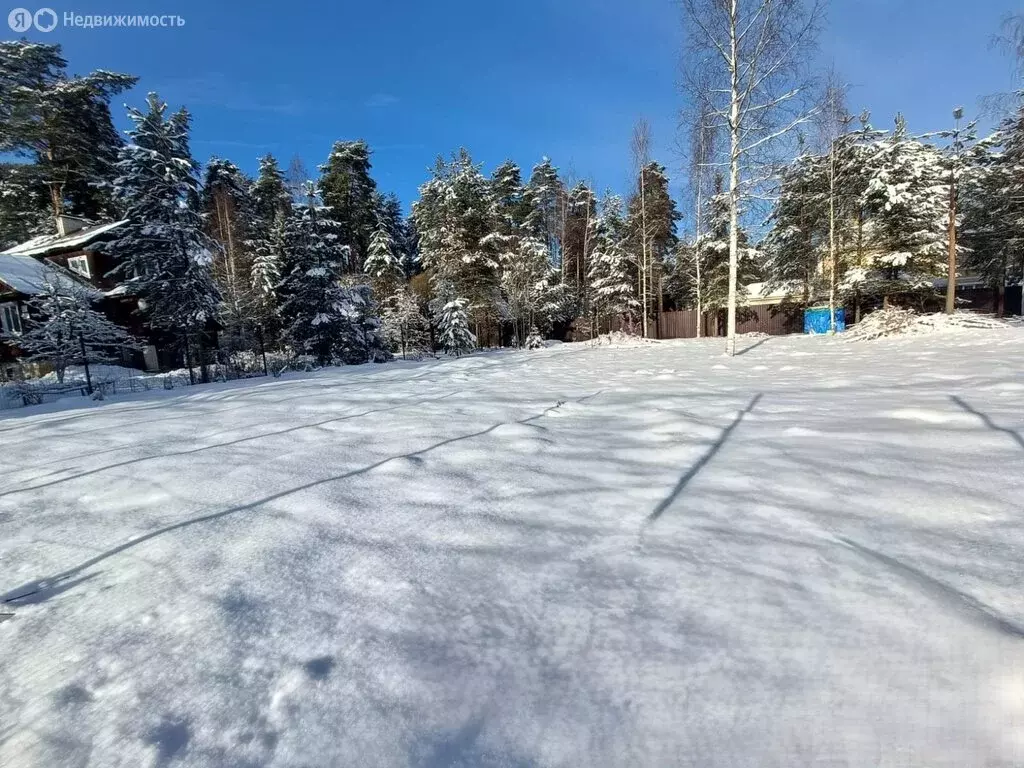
(776, 320)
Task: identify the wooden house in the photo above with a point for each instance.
(72, 252)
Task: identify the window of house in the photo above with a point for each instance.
(10, 319)
(79, 264)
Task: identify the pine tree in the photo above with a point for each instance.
(959, 157)
(271, 206)
(524, 282)
(389, 215)
(65, 330)
(163, 253)
(543, 196)
(229, 211)
(507, 212)
(611, 284)
(712, 249)
(362, 339)
(269, 257)
(994, 208)
(313, 301)
(404, 327)
(908, 204)
(322, 316)
(452, 221)
(534, 340)
(269, 193)
(580, 210)
(351, 194)
(383, 263)
(798, 228)
(296, 179)
(62, 124)
(24, 204)
(453, 328)
(509, 208)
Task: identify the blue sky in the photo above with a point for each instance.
(562, 78)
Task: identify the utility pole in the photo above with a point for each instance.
(842, 125)
(958, 113)
(643, 250)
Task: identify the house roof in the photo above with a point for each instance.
(29, 276)
(45, 245)
(758, 294)
(963, 281)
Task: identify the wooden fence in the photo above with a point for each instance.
(776, 320)
(782, 319)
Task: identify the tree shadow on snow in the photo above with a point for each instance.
(752, 347)
(987, 421)
(693, 471)
(940, 590)
(41, 590)
(226, 444)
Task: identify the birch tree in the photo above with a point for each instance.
(747, 57)
(640, 152)
(702, 151)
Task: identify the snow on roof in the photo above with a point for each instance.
(47, 244)
(963, 281)
(117, 291)
(29, 276)
(758, 293)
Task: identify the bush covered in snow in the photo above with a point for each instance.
(534, 341)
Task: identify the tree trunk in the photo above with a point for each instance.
(951, 280)
(661, 302)
(832, 239)
(56, 199)
(263, 350)
(734, 177)
(188, 360)
(85, 363)
(643, 252)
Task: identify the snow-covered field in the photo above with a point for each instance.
(810, 554)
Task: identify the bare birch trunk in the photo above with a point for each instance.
(734, 177)
(951, 279)
(832, 239)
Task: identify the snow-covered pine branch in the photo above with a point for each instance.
(64, 329)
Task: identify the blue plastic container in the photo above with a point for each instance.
(816, 320)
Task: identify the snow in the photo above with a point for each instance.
(29, 276)
(895, 321)
(809, 554)
(45, 244)
(620, 339)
